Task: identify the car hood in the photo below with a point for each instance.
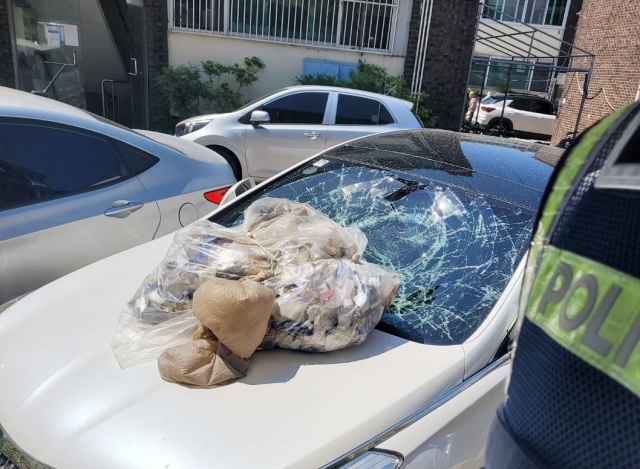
(66, 402)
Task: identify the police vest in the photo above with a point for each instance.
(574, 393)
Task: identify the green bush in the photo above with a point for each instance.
(189, 95)
(182, 88)
(376, 79)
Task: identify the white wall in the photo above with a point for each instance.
(283, 61)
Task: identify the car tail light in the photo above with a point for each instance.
(487, 108)
(217, 195)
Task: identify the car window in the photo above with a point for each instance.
(298, 108)
(521, 104)
(356, 110)
(40, 163)
(542, 107)
(385, 117)
(454, 247)
(137, 160)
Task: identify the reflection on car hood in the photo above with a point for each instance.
(66, 402)
(203, 117)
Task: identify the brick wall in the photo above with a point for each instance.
(609, 30)
(448, 57)
(7, 76)
(158, 58)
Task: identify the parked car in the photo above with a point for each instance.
(285, 127)
(451, 213)
(528, 116)
(75, 188)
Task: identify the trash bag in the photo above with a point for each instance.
(293, 232)
(274, 236)
(328, 304)
(203, 362)
(160, 314)
(236, 312)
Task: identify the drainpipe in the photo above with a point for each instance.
(421, 46)
(638, 94)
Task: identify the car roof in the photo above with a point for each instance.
(519, 96)
(11, 98)
(512, 170)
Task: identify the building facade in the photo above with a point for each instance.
(292, 37)
(121, 46)
(611, 31)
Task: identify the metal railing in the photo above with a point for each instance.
(117, 101)
(367, 25)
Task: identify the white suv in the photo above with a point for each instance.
(526, 115)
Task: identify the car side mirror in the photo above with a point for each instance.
(238, 189)
(260, 117)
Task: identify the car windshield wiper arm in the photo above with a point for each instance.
(409, 188)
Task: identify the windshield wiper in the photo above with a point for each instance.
(409, 188)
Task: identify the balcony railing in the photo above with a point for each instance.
(367, 25)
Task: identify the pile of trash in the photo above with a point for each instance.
(287, 276)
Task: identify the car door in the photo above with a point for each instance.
(544, 119)
(297, 130)
(355, 116)
(67, 199)
(519, 113)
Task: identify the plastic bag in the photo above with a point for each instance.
(327, 304)
(160, 314)
(276, 234)
(293, 232)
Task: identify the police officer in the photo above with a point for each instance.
(574, 394)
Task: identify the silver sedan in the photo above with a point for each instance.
(75, 188)
(283, 128)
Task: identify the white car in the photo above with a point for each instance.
(75, 188)
(281, 129)
(528, 116)
(451, 213)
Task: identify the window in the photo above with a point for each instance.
(354, 110)
(521, 104)
(41, 163)
(478, 74)
(555, 12)
(542, 107)
(499, 75)
(299, 108)
(542, 12)
(138, 160)
(346, 24)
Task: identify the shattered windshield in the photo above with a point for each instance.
(454, 247)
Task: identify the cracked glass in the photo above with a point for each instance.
(451, 214)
